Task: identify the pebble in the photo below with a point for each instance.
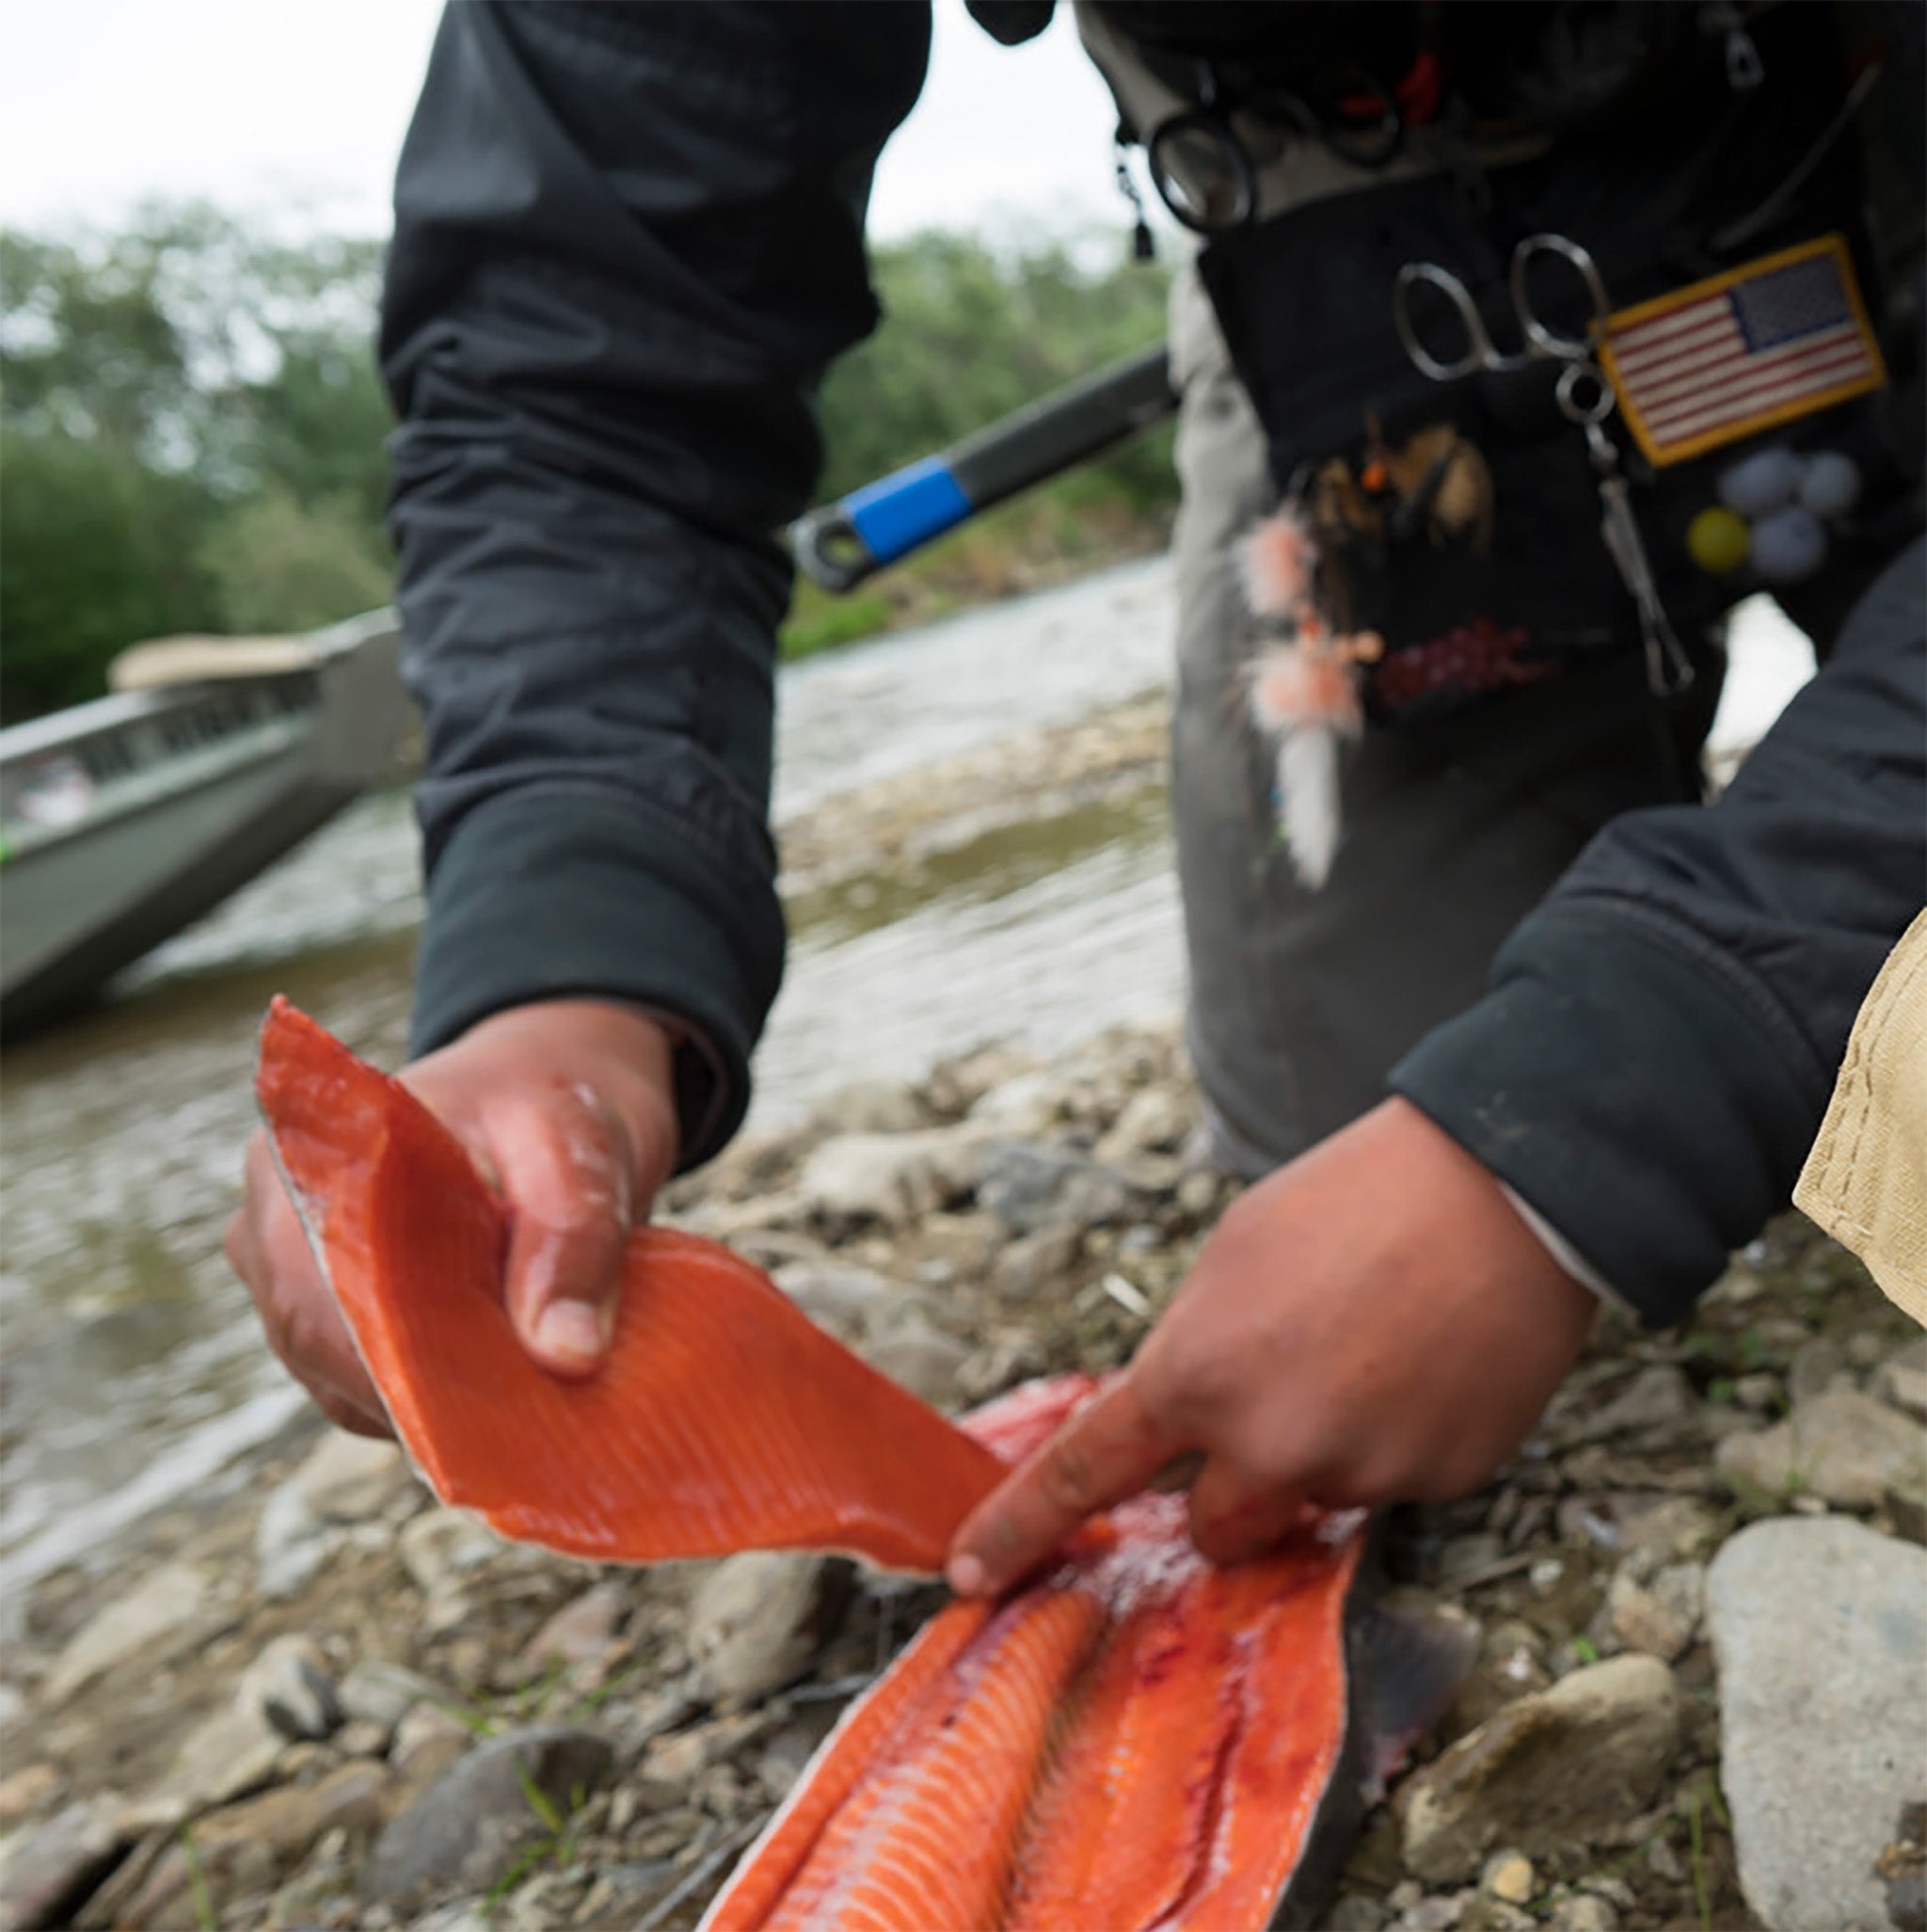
(233, 1751)
(1155, 1120)
(138, 1620)
(441, 1545)
(1759, 1394)
(380, 1693)
(1819, 1631)
(1024, 1108)
(291, 1544)
(1902, 1381)
(426, 1742)
(289, 1686)
(25, 1791)
(1842, 1447)
(49, 1872)
(1818, 1362)
(583, 1631)
(1509, 1876)
(1660, 1617)
(478, 1818)
(910, 1349)
(348, 1478)
(1029, 1186)
(1037, 1264)
(1546, 1770)
(1658, 1401)
(758, 1619)
(890, 1179)
(834, 1294)
(1583, 1912)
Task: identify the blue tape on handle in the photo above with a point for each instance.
(895, 515)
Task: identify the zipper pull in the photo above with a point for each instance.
(1744, 68)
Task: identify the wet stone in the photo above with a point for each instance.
(1547, 1770)
(1819, 1631)
(471, 1826)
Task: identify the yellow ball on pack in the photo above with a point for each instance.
(1717, 540)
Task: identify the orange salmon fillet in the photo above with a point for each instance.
(723, 1420)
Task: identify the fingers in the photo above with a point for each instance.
(1110, 1449)
(564, 1163)
(1234, 1519)
(268, 1249)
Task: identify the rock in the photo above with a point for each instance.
(1901, 1867)
(1037, 1264)
(1841, 1447)
(910, 1349)
(1464, 1557)
(1818, 1362)
(872, 1107)
(223, 1757)
(1023, 1109)
(1029, 1186)
(581, 1632)
(1583, 1912)
(153, 1611)
(1546, 1770)
(890, 1179)
(31, 1789)
(290, 1687)
(1153, 1120)
(1659, 1618)
(426, 1742)
(380, 1693)
(348, 1478)
(441, 1547)
(50, 1872)
(1509, 1876)
(756, 1620)
(1669, 1529)
(472, 1823)
(1902, 1381)
(1819, 1631)
(1658, 1402)
(1354, 1912)
(835, 1295)
(291, 1544)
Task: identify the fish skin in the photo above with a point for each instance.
(723, 1419)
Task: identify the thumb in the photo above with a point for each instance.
(567, 1166)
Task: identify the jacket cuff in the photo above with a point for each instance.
(577, 893)
(1620, 1088)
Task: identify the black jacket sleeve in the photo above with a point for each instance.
(1655, 1053)
(627, 240)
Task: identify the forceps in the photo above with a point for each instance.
(1586, 400)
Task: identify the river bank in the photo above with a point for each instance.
(304, 1701)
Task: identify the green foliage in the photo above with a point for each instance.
(192, 430)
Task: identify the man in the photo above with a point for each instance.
(630, 239)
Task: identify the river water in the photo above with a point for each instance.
(133, 1370)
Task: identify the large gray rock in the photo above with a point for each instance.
(153, 1612)
(472, 1826)
(1820, 1630)
(1545, 1771)
(1842, 1447)
(758, 1619)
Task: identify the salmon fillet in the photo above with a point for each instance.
(723, 1419)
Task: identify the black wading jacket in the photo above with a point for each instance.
(629, 241)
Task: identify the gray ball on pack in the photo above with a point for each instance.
(1762, 483)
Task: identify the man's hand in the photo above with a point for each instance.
(567, 1106)
(1372, 1323)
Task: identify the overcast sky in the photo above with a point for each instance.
(300, 106)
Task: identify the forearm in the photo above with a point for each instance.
(1655, 1053)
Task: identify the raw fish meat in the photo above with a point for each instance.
(723, 1419)
(1136, 1739)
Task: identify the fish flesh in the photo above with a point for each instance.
(1136, 1739)
(723, 1418)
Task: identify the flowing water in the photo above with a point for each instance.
(133, 1369)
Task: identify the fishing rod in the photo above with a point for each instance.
(842, 543)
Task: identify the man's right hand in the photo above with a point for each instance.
(568, 1107)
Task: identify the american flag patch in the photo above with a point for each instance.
(1740, 353)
